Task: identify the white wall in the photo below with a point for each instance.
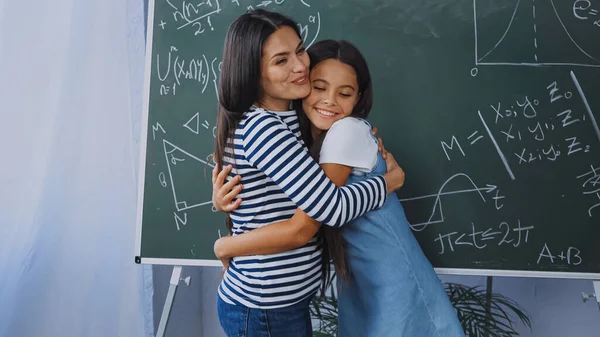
(67, 173)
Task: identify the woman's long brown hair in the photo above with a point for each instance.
(239, 82)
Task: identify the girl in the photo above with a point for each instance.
(264, 68)
(392, 289)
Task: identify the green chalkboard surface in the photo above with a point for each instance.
(491, 107)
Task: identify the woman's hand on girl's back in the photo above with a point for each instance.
(223, 194)
(219, 248)
(395, 175)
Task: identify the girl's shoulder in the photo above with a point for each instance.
(351, 124)
(350, 142)
(352, 131)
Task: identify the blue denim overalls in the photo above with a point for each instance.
(393, 290)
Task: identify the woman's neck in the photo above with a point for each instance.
(273, 104)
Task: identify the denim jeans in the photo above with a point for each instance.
(241, 321)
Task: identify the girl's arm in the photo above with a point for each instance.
(271, 147)
(280, 236)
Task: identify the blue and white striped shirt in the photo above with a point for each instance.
(278, 176)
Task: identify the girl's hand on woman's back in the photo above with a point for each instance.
(395, 175)
(223, 194)
(380, 147)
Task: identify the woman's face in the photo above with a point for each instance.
(333, 96)
(284, 70)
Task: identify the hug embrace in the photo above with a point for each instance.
(305, 183)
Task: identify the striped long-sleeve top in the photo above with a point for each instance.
(278, 176)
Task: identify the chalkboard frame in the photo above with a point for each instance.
(144, 139)
(215, 262)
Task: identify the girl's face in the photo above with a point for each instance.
(284, 70)
(333, 96)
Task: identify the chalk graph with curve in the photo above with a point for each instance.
(537, 33)
(436, 215)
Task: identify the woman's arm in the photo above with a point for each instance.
(271, 147)
(223, 194)
(280, 236)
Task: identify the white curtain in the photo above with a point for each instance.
(71, 78)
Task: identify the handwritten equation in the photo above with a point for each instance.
(531, 130)
(569, 255)
(308, 31)
(591, 188)
(504, 234)
(582, 10)
(551, 134)
(174, 70)
(196, 16)
(539, 128)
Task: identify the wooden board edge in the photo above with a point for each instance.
(439, 271)
(518, 273)
(144, 133)
(180, 262)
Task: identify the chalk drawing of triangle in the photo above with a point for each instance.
(194, 123)
(189, 176)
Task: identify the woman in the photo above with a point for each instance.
(392, 289)
(264, 68)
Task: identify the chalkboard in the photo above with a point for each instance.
(491, 107)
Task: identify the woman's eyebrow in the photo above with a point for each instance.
(284, 53)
